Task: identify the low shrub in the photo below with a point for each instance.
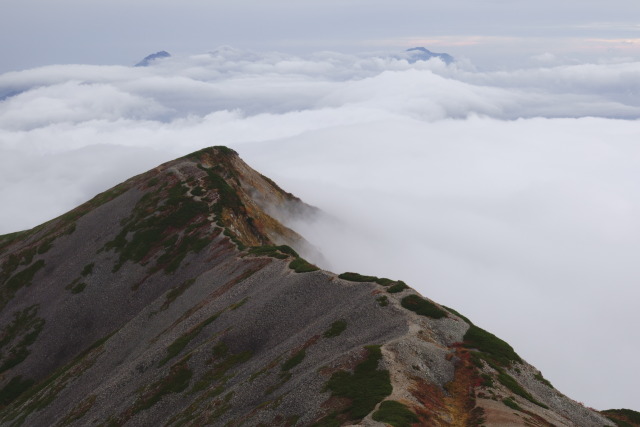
(229, 362)
(294, 360)
(511, 403)
(280, 252)
(510, 382)
(87, 270)
(398, 287)
(176, 292)
(300, 265)
(422, 307)
(336, 328)
(543, 380)
(13, 389)
(486, 342)
(24, 277)
(46, 245)
(78, 287)
(451, 310)
(176, 382)
(181, 342)
(383, 301)
(364, 388)
(395, 413)
(623, 417)
(355, 277)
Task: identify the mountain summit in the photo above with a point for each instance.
(149, 59)
(179, 298)
(416, 54)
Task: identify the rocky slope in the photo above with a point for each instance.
(177, 298)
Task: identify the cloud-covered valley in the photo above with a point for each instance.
(510, 195)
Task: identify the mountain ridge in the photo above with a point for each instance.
(181, 286)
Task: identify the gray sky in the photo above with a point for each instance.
(503, 185)
(491, 33)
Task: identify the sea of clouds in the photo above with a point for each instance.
(510, 195)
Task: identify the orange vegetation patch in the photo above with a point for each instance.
(456, 404)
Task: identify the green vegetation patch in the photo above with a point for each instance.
(176, 292)
(75, 287)
(422, 307)
(198, 191)
(24, 277)
(176, 382)
(189, 243)
(280, 252)
(487, 380)
(222, 362)
(451, 310)
(228, 197)
(398, 287)
(336, 328)
(620, 423)
(46, 245)
(87, 270)
(623, 417)
(7, 239)
(229, 362)
(511, 403)
(13, 389)
(294, 360)
(79, 410)
(365, 387)
(17, 336)
(220, 350)
(10, 280)
(9, 266)
(300, 265)
(40, 395)
(510, 382)
(204, 383)
(78, 287)
(180, 343)
(233, 237)
(486, 342)
(172, 223)
(503, 377)
(383, 301)
(238, 304)
(543, 380)
(395, 413)
(355, 277)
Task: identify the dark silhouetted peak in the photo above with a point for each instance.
(151, 58)
(423, 54)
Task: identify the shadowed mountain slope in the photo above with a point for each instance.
(177, 298)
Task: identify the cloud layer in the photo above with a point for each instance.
(509, 195)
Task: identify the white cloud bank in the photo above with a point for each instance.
(511, 196)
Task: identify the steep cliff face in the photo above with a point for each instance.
(178, 298)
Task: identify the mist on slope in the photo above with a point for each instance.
(509, 195)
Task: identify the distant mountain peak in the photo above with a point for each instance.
(420, 53)
(151, 58)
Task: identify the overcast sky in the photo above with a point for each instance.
(492, 33)
(503, 185)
